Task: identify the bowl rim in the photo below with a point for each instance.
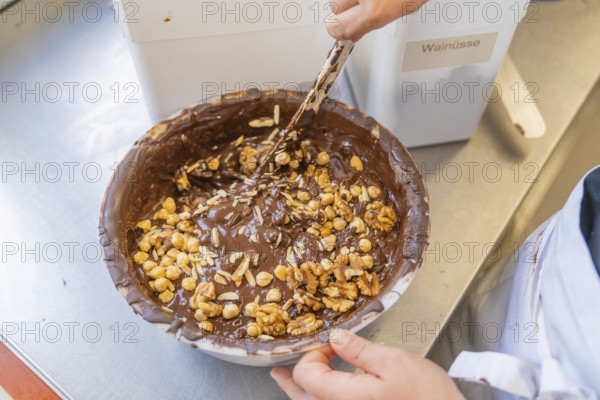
(278, 347)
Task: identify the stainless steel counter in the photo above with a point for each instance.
(57, 302)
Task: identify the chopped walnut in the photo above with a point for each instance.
(253, 329)
(348, 290)
(369, 284)
(316, 269)
(356, 263)
(248, 160)
(347, 266)
(323, 280)
(338, 304)
(305, 324)
(310, 278)
(294, 277)
(380, 217)
(306, 301)
(272, 319)
(341, 261)
(342, 208)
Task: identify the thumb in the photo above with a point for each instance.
(361, 353)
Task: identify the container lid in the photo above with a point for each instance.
(152, 20)
(441, 16)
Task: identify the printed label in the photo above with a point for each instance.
(448, 52)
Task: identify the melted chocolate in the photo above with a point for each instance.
(207, 131)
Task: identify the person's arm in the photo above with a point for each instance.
(355, 18)
(390, 373)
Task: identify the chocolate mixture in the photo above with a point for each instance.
(302, 248)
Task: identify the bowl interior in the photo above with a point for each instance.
(144, 177)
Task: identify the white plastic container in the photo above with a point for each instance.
(428, 76)
(187, 51)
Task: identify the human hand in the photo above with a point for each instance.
(390, 373)
(354, 18)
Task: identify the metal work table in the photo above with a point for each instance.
(58, 304)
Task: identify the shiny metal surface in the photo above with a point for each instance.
(57, 302)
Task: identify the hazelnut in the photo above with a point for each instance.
(327, 199)
(166, 296)
(193, 245)
(313, 231)
(144, 225)
(339, 224)
(200, 316)
(178, 241)
(263, 278)
(161, 214)
(169, 205)
(166, 261)
(322, 158)
(183, 258)
(148, 265)
(365, 245)
(161, 284)
(188, 284)
(172, 219)
(313, 205)
(251, 309)
(140, 257)
(368, 260)
(356, 163)
(373, 191)
(330, 212)
(358, 224)
(173, 272)
(281, 272)
(355, 190)
(230, 311)
(173, 252)
(145, 245)
(303, 196)
(157, 272)
(273, 296)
